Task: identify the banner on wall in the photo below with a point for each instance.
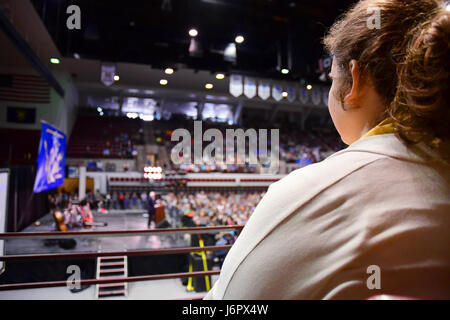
(304, 96)
(236, 86)
(21, 115)
(291, 94)
(325, 96)
(249, 87)
(51, 159)
(277, 91)
(107, 73)
(264, 89)
(316, 96)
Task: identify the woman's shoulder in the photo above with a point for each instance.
(382, 154)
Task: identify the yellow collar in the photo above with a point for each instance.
(385, 126)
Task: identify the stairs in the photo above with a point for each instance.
(108, 267)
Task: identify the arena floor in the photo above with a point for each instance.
(117, 220)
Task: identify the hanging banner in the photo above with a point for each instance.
(264, 89)
(107, 73)
(51, 159)
(325, 93)
(291, 94)
(249, 87)
(316, 96)
(304, 96)
(277, 91)
(236, 86)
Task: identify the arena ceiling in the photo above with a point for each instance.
(277, 33)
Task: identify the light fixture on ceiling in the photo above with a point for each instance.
(209, 86)
(163, 82)
(284, 94)
(168, 71)
(284, 71)
(116, 78)
(193, 33)
(220, 76)
(55, 60)
(309, 87)
(239, 39)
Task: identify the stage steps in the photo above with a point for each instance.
(107, 267)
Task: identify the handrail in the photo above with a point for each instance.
(82, 255)
(114, 233)
(48, 284)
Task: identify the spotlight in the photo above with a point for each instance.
(147, 117)
(309, 87)
(284, 71)
(209, 86)
(116, 78)
(284, 94)
(193, 33)
(220, 76)
(101, 113)
(54, 60)
(163, 82)
(239, 39)
(99, 109)
(132, 115)
(168, 71)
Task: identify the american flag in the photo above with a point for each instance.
(24, 88)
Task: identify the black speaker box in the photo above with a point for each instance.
(163, 224)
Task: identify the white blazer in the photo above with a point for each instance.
(319, 231)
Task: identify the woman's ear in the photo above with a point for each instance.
(352, 98)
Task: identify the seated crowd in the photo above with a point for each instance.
(93, 137)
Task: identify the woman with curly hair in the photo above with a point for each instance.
(373, 218)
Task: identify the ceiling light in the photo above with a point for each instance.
(220, 76)
(209, 86)
(99, 109)
(285, 71)
(116, 78)
(284, 94)
(132, 115)
(193, 32)
(163, 82)
(239, 39)
(168, 71)
(309, 87)
(54, 60)
(147, 117)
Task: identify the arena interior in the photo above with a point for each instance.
(118, 82)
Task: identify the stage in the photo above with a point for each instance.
(116, 220)
(56, 269)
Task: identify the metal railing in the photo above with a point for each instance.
(113, 233)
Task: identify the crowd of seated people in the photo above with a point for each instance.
(214, 208)
(117, 137)
(296, 146)
(104, 137)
